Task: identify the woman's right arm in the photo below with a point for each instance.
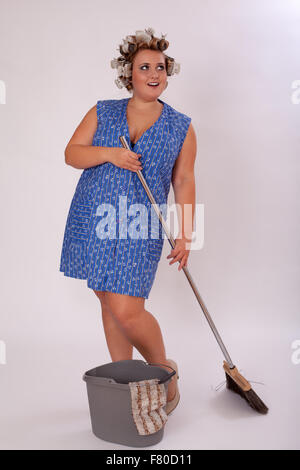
(81, 154)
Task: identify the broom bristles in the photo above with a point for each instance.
(250, 396)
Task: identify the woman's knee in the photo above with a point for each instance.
(125, 308)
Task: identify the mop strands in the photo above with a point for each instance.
(238, 384)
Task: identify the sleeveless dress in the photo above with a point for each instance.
(114, 254)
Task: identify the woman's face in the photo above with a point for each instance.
(148, 66)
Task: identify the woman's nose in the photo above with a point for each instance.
(154, 74)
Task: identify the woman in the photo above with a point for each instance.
(119, 269)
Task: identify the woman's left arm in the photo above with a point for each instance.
(183, 182)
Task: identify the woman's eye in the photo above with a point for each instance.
(147, 66)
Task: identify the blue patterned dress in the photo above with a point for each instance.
(95, 244)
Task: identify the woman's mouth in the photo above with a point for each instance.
(153, 84)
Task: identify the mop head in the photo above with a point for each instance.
(238, 384)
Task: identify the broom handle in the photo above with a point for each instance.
(186, 271)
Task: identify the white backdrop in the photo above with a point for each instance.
(239, 61)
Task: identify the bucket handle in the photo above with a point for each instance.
(167, 376)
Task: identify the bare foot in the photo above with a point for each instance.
(171, 389)
(171, 385)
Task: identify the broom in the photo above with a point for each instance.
(234, 380)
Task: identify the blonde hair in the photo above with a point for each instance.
(129, 49)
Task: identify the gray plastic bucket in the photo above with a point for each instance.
(110, 400)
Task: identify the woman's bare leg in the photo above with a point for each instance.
(118, 345)
(140, 328)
